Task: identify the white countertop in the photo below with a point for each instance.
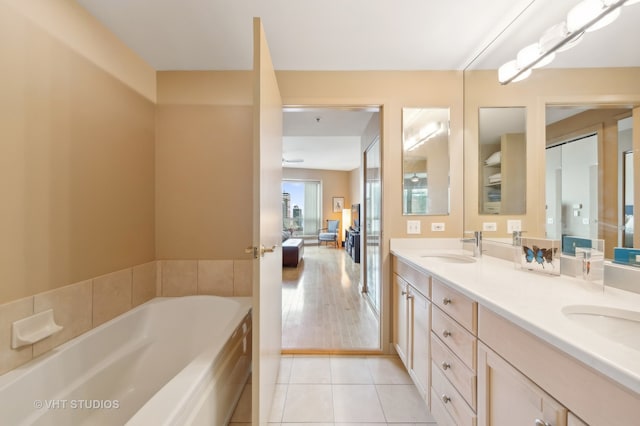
(534, 301)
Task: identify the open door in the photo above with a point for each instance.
(267, 224)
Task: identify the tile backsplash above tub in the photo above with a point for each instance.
(79, 307)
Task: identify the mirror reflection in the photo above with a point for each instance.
(502, 160)
(589, 174)
(425, 162)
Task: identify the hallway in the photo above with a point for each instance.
(322, 307)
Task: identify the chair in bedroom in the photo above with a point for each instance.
(330, 233)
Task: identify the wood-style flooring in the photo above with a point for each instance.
(322, 307)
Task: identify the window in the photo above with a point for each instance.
(301, 207)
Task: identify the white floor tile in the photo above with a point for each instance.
(402, 403)
(277, 407)
(350, 370)
(388, 371)
(308, 403)
(312, 370)
(357, 403)
(284, 372)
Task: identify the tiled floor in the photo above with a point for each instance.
(341, 390)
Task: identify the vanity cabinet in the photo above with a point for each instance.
(411, 323)
(506, 397)
(454, 341)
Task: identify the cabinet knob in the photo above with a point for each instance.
(445, 398)
(445, 365)
(541, 423)
(446, 333)
(446, 301)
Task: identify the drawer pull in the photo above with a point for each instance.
(541, 423)
(446, 333)
(446, 399)
(445, 365)
(446, 301)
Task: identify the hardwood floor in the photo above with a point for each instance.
(322, 307)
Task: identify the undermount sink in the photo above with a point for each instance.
(451, 258)
(619, 325)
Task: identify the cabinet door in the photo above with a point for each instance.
(506, 397)
(400, 324)
(420, 330)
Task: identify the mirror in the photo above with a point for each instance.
(502, 170)
(589, 166)
(425, 161)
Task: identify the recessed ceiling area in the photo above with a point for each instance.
(323, 138)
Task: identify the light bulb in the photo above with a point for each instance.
(585, 12)
(555, 35)
(508, 70)
(530, 54)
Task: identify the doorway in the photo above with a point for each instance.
(326, 304)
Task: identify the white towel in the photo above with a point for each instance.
(493, 159)
(495, 178)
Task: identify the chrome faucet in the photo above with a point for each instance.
(517, 238)
(477, 242)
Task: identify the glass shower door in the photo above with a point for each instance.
(373, 231)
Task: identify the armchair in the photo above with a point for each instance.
(330, 233)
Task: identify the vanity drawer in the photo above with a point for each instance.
(455, 405)
(455, 337)
(456, 305)
(460, 376)
(419, 280)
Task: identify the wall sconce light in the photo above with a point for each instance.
(586, 16)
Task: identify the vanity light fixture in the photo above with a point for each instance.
(427, 132)
(588, 15)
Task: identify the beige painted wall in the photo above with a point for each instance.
(204, 170)
(545, 87)
(76, 158)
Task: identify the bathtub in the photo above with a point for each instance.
(170, 361)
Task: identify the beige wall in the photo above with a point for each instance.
(614, 86)
(204, 169)
(76, 158)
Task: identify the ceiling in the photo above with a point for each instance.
(353, 35)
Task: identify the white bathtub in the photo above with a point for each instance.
(170, 361)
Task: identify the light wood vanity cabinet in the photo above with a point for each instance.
(411, 323)
(454, 328)
(476, 367)
(506, 397)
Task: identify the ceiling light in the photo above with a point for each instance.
(509, 72)
(587, 15)
(532, 53)
(415, 178)
(589, 10)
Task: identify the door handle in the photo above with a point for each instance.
(264, 249)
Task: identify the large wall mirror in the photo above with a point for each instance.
(425, 162)
(590, 174)
(502, 147)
